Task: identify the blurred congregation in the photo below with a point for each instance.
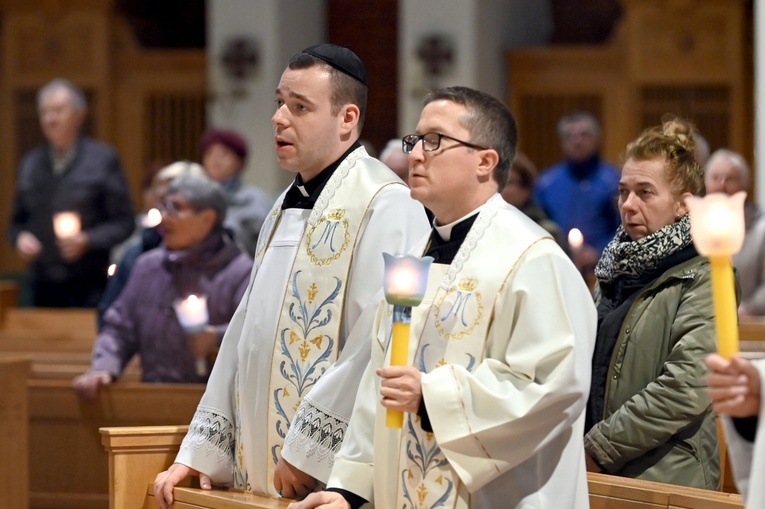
(197, 196)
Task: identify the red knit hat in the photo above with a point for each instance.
(228, 139)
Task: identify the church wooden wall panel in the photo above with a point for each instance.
(84, 41)
(161, 100)
(667, 56)
(548, 83)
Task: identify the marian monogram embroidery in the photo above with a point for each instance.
(327, 240)
(306, 348)
(459, 310)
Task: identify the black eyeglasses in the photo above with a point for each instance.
(430, 142)
(174, 207)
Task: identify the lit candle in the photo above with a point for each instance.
(575, 238)
(717, 228)
(152, 218)
(405, 282)
(192, 313)
(66, 224)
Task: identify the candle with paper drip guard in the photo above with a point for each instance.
(66, 224)
(405, 281)
(717, 229)
(193, 317)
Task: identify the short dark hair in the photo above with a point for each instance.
(345, 89)
(491, 125)
(578, 116)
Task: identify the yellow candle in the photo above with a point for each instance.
(724, 297)
(399, 356)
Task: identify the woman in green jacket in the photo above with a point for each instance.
(649, 415)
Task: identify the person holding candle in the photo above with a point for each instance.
(197, 257)
(76, 174)
(498, 367)
(648, 414)
(149, 236)
(281, 392)
(580, 191)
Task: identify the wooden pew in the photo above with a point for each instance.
(607, 492)
(59, 341)
(9, 297)
(136, 455)
(68, 465)
(14, 412)
(61, 337)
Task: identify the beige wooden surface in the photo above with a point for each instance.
(69, 467)
(611, 492)
(14, 429)
(137, 454)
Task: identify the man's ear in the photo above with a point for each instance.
(350, 118)
(489, 160)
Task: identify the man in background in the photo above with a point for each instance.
(394, 158)
(580, 191)
(70, 173)
(727, 172)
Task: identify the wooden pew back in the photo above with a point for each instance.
(136, 455)
(68, 465)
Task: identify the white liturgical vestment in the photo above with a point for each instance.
(746, 458)
(315, 271)
(504, 338)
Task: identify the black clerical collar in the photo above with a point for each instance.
(444, 251)
(303, 195)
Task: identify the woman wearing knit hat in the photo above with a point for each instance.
(224, 153)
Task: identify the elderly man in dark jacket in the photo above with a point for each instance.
(197, 258)
(76, 174)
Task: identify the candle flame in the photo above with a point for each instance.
(575, 238)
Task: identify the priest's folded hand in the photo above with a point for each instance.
(292, 482)
(734, 386)
(322, 500)
(400, 388)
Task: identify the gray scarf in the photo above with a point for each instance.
(630, 259)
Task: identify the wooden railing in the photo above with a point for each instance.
(136, 455)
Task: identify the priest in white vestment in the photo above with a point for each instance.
(735, 388)
(499, 349)
(277, 403)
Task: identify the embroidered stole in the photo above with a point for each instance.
(309, 325)
(453, 329)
